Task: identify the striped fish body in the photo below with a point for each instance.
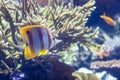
(38, 40)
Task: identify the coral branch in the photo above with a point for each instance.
(9, 19)
(111, 66)
(106, 64)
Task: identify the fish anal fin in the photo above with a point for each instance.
(43, 52)
(28, 54)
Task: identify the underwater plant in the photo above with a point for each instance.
(66, 22)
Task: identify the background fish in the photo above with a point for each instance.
(107, 19)
(38, 40)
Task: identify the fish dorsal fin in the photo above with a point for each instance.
(104, 14)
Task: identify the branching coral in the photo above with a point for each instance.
(66, 22)
(69, 24)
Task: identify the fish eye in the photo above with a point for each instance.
(53, 38)
(28, 32)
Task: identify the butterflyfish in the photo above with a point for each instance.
(108, 19)
(38, 40)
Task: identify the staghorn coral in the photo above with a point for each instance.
(69, 25)
(66, 22)
(82, 76)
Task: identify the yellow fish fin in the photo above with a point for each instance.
(24, 45)
(28, 54)
(43, 52)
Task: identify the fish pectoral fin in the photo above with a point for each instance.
(28, 54)
(43, 52)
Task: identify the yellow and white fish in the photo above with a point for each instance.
(38, 40)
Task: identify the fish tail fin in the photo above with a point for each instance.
(43, 52)
(28, 54)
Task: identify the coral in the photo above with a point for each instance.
(66, 22)
(111, 66)
(117, 26)
(106, 64)
(69, 25)
(82, 76)
(76, 56)
(70, 55)
(111, 44)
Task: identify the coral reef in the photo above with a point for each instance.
(106, 64)
(111, 66)
(76, 56)
(62, 20)
(111, 44)
(66, 22)
(111, 47)
(82, 76)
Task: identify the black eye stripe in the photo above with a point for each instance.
(28, 32)
(27, 44)
(53, 38)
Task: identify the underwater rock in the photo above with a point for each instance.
(60, 70)
(47, 68)
(37, 69)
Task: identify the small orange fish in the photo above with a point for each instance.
(108, 19)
